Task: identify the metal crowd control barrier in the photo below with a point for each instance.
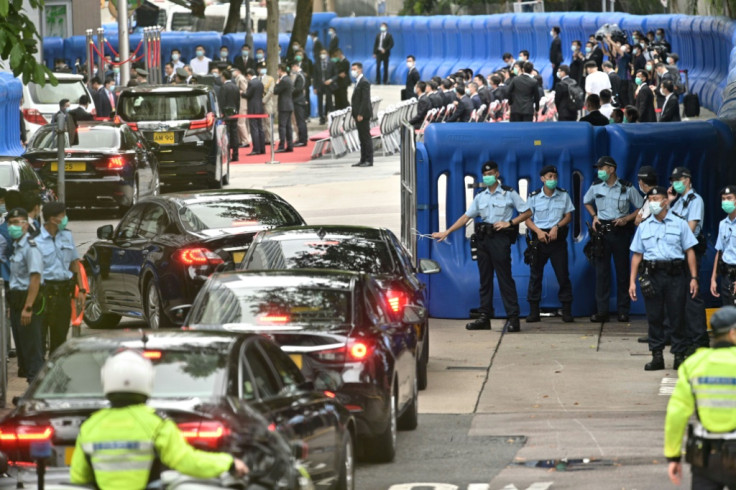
(408, 190)
(270, 121)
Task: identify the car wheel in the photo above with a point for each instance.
(94, 317)
(382, 449)
(346, 479)
(154, 312)
(410, 418)
(423, 361)
(134, 194)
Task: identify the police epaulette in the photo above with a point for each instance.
(561, 189)
(625, 183)
(597, 181)
(507, 188)
(535, 192)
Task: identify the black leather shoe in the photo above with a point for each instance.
(599, 318)
(657, 362)
(235, 157)
(567, 313)
(287, 150)
(679, 359)
(254, 153)
(534, 315)
(623, 317)
(359, 164)
(367, 164)
(299, 145)
(480, 323)
(512, 325)
(643, 340)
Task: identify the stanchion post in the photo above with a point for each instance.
(101, 44)
(90, 62)
(4, 334)
(159, 57)
(273, 140)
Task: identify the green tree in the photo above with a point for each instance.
(19, 41)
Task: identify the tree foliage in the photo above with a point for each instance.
(19, 41)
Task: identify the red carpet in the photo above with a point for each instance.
(299, 155)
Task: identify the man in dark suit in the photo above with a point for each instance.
(555, 53)
(593, 52)
(474, 96)
(169, 73)
(334, 41)
(616, 82)
(80, 113)
(412, 77)
(317, 46)
(340, 81)
(69, 123)
(254, 95)
(484, 92)
(284, 89)
(299, 96)
(362, 111)
(671, 106)
(594, 117)
(566, 108)
(382, 51)
(662, 75)
(499, 91)
(524, 95)
(435, 97)
(244, 61)
(323, 70)
(448, 96)
(423, 104)
(463, 107)
(230, 102)
(107, 99)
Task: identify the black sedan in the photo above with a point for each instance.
(337, 329)
(164, 248)
(226, 392)
(355, 248)
(110, 165)
(14, 170)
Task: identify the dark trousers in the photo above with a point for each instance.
(668, 303)
(366, 142)
(494, 255)
(341, 98)
(286, 138)
(300, 114)
(567, 117)
(555, 252)
(726, 290)
(696, 324)
(554, 74)
(232, 135)
(59, 307)
(29, 340)
(381, 58)
(521, 117)
(616, 245)
(714, 477)
(256, 135)
(324, 103)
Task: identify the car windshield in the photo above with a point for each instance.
(7, 176)
(48, 94)
(349, 253)
(98, 138)
(162, 106)
(255, 211)
(233, 302)
(186, 373)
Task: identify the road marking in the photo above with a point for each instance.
(667, 386)
(533, 486)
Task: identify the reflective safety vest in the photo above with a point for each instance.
(707, 383)
(117, 447)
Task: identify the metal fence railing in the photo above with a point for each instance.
(409, 190)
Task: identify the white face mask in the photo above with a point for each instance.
(410, 64)
(354, 73)
(323, 56)
(655, 207)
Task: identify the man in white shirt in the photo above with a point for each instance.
(606, 106)
(201, 64)
(596, 80)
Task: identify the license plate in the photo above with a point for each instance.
(68, 453)
(166, 138)
(70, 166)
(238, 257)
(297, 358)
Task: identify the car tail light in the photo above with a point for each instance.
(204, 434)
(153, 355)
(356, 350)
(34, 116)
(207, 122)
(115, 163)
(197, 256)
(396, 300)
(133, 126)
(17, 437)
(274, 319)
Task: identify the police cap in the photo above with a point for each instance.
(547, 169)
(182, 73)
(729, 189)
(141, 72)
(489, 165)
(657, 190)
(647, 172)
(606, 161)
(723, 320)
(17, 213)
(680, 172)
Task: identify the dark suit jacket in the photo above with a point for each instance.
(71, 127)
(317, 48)
(342, 66)
(665, 76)
(79, 114)
(423, 107)
(596, 119)
(319, 76)
(565, 107)
(463, 110)
(524, 95)
(102, 103)
(671, 110)
(576, 70)
(645, 105)
(229, 98)
(254, 94)
(361, 99)
(334, 44)
(615, 83)
(242, 65)
(477, 101)
(411, 80)
(283, 89)
(555, 52)
(448, 97)
(388, 43)
(500, 93)
(485, 95)
(597, 56)
(299, 90)
(436, 99)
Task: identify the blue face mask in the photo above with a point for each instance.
(551, 184)
(3, 209)
(489, 180)
(678, 186)
(603, 175)
(15, 231)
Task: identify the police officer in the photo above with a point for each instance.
(725, 261)
(124, 445)
(647, 176)
(552, 211)
(612, 216)
(60, 271)
(664, 262)
(705, 383)
(495, 234)
(26, 298)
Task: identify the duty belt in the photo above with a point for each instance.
(727, 269)
(669, 266)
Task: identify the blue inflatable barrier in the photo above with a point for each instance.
(53, 48)
(11, 91)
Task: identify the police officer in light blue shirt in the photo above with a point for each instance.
(664, 262)
(25, 296)
(610, 200)
(725, 261)
(688, 205)
(495, 233)
(551, 209)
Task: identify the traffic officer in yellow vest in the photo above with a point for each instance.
(706, 383)
(117, 447)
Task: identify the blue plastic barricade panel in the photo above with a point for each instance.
(5, 113)
(320, 23)
(508, 40)
(479, 46)
(437, 49)
(466, 38)
(75, 47)
(451, 38)
(493, 41)
(53, 47)
(404, 42)
(11, 90)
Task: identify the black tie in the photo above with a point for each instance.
(324, 66)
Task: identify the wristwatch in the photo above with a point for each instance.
(694, 279)
(28, 308)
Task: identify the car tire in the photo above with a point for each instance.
(93, 315)
(346, 475)
(423, 361)
(155, 315)
(382, 449)
(410, 418)
(134, 196)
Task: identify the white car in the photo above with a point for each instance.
(41, 103)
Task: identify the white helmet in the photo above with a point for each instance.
(127, 372)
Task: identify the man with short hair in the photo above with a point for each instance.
(616, 82)
(362, 111)
(595, 81)
(341, 79)
(671, 106)
(284, 89)
(244, 60)
(555, 53)
(254, 95)
(324, 70)
(523, 56)
(224, 57)
(524, 96)
(566, 108)
(382, 51)
(299, 95)
(169, 73)
(412, 77)
(230, 102)
(107, 99)
(463, 107)
(423, 105)
(200, 64)
(508, 59)
(474, 95)
(594, 117)
(69, 122)
(176, 59)
(81, 113)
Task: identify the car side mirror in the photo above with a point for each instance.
(429, 266)
(414, 314)
(105, 232)
(179, 314)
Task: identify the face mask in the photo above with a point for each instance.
(3, 209)
(332, 34)
(335, 59)
(603, 175)
(175, 57)
(560, 75)
(64, 109)
(551, 184)
(263, 71)
(116, 70)
(728, 206)
(655, 207)
(658, 37)
(200, 53)
(678, 186)
(588, 49)
(574, 48)
(611, 121)
(383, 29)
(649, 67)
(552, 33)
(410, 64)
(625, 120)
(516, 71)
(489, 180)
(223, 54)
(64, 222)
(297, 58)
(112, 88)
(323, 56)
(15, 231)
(624, 49)
(642, 45)
(295, 47)
(259, 56)
(354, 73)
(670, 61)
(245, 52)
